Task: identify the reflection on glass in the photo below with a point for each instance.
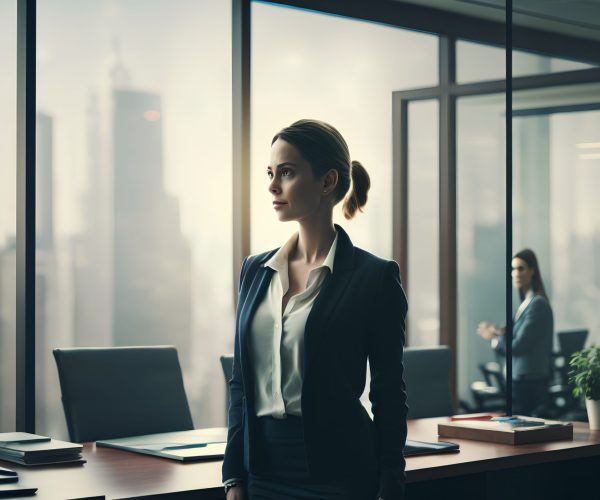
(481, 230)
(8, 205)
(476, 61)
(342, 71)
(557, 172)
(134, 188)
(423, 224)
(531, 340)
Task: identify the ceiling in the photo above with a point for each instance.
(580, 18)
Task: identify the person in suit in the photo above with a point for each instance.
(533, 327)
(310, 314)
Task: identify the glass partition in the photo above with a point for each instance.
(556, 174)
(8, 212)
(556, 157)
(481, 242)
(423, 223)
(134, 238)
(477, 62)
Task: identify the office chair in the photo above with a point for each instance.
(427, 377)
(562, 401)
(227, 366)
(119, 392)
(489, 394)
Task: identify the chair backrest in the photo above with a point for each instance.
(227, 365)
(571, 341)
(494, 375)
(118, 392)
(427, 376)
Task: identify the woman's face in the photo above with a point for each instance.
(521, 274)
(296, 193)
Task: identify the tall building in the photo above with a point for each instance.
(92, 248)
(47, 310)
(8, 327)
(152, 261)
(44, 210)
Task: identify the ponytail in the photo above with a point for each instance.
(357, 196)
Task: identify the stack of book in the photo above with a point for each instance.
(506, 430)
(8, 488)
(30, 449)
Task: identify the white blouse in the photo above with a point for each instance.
(277, 340)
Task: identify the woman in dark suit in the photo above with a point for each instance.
(310, 314)
(533, 328)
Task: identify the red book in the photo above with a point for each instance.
(472, 416)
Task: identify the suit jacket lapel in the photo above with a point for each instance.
(255, 295)
(331, 291)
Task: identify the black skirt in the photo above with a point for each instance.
(286, 475)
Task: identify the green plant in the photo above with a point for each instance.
(585, 372)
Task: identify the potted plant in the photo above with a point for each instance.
(585, 376)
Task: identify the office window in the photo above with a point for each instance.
(557, 211)
(8, 211)
(134, 239)
(342, 71)
(481, 230)
(476, 61)
(423, 224)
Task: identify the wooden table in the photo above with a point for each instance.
(560, 469)
(491, 471)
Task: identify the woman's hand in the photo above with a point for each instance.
(236, 493)
(487, 330)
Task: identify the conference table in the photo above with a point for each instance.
(480, 470)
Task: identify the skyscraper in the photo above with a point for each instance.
(8, 308)
(152, 262)
(44, 213)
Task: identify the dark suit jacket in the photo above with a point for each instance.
(532, 341)
(359, 313)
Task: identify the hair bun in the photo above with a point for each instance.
(357, 198)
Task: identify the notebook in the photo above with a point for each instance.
(413, 448)
(197, 444)
(35, 452)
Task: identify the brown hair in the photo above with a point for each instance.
(321, 145)
(537, 284)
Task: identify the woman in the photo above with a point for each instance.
(309, 316)
(532, 336)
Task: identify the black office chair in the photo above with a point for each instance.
(489, 394)
(562, 403)
(227, 366)
(427, 377)
(119, 392)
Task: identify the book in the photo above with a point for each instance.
(413, 448)
(197, 444)
(508, 430)
(472, 416)
(21, 437)
(36, 452)
(13, 491)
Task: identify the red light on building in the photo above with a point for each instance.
(151, 115)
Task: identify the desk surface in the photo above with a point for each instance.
(119, 474)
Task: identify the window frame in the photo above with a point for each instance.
(447, 25)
